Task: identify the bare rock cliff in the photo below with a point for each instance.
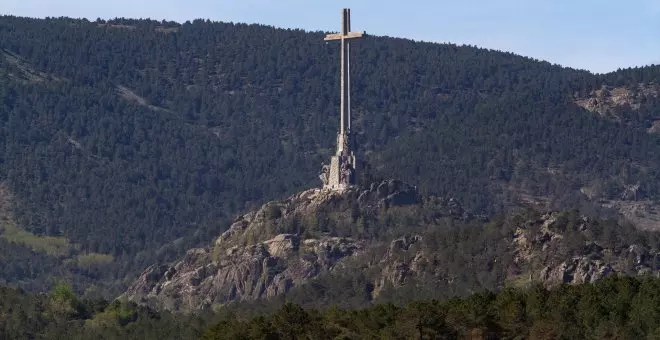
(559, 254)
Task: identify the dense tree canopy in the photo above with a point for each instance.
(616, 308)
(62, 314)
(138, 139)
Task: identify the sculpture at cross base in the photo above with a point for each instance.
(340, 173)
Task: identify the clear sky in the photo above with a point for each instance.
(597, 35)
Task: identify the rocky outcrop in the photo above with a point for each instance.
(606, 100)
(575, 271)
(262, 270)
(621, 103)
(543, 250)
(318, 236)
(309, 202)
(395, 271)
(248, 262)
(390, 192)
(541, 244)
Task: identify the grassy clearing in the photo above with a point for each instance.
(93, 259)
(521, 281)
(54, 246)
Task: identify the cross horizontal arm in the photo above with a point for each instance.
(339, 36)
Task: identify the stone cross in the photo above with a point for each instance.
(340, 173)
(344, 37)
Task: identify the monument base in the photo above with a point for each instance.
(340, 174)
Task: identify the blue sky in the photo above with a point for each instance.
(599, 36)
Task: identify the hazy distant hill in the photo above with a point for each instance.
(128, 142)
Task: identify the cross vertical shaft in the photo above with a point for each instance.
(348, 77)
(344, 36)
(345, 70)
(340, 174)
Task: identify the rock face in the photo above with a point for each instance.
(617, 103)
(606, 99)
(543, 250)
(397, 270)
(251, 260)
(575, 271)
(256, 271)
(537, 244)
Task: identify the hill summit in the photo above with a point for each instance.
(284, 244)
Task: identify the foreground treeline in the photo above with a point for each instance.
(616, 308)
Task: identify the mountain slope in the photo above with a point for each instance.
(138, 140)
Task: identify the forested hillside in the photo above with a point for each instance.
(128, 142)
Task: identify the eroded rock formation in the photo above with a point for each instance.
(251, 260)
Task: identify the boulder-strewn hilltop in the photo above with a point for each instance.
(387, 242)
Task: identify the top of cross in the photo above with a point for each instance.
(345, 28)
(345, 75)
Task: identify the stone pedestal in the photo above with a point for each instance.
(341, 173)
